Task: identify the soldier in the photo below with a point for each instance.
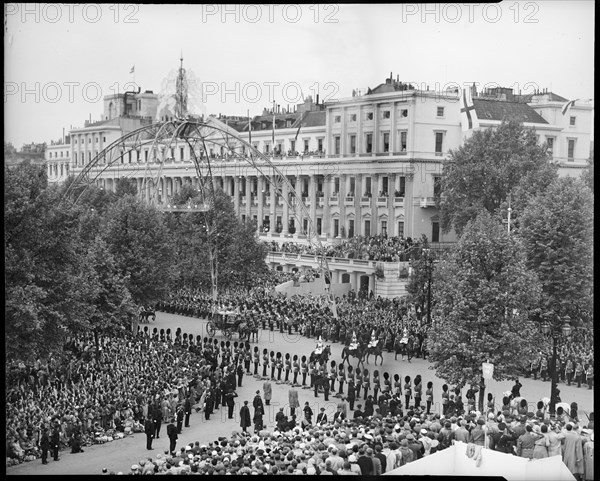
(288, 367)
(247, 357)
(342, 379)
(569, 371)
(273, 365)
(256, 358)
(376, 383)
(279, 366)
(304, 370)
(387, 383)
(180, 415)
(296, 369)
(359, 382)
(265, 363)
(351, 394)
(333, 375)
(366, 383)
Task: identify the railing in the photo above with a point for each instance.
(382, 201)
(398, 200)
(333, 200)
(365, 201)
(349, 200)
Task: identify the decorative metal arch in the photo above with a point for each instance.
(198, 135)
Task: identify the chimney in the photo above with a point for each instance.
(317, 99)
(398, 78)
(63, 138)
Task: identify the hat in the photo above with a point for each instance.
(410, 436)
(134, 467)
(481, 422)
(257, 392)
(423, 431)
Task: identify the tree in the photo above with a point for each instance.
(422, 271)
(558, 233)
(140, 243)
(125, 187)
(587, 176)
(46, 277)
(485, 300)
(486, 168)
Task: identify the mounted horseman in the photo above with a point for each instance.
(404, 345)
(321, 352)
(375, 347)
(354, 349)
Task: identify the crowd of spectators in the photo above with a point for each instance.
(376, 248)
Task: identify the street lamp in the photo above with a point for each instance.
(555, 331)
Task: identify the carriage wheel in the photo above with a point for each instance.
(210, 329)
(227, 333)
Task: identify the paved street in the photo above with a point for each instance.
(121, 454)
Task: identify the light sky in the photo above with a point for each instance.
(60, 60)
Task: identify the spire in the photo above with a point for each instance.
(181, 94)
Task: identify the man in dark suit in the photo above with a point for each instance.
(179, 415)
(157, 418)
(245, 420)
(149, 430)
(240, 374)
(358, 412)
(45, 445)
(230, 400)
(351, 394)
(55, 442)
(172, 434)
(188, 410)
(322, 417)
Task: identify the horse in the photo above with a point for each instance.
(377, 351)
(248, 330)
(359, 353)
(145, 314)
(323, 357)
(404, 347)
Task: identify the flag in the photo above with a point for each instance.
(273, 134)
(468, 116)
(299, 127)
(132, 69)
(249, 128)
(568, 105)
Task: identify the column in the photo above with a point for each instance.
(409, 207)
(392, 229)
(273, 208)
(312, 189)
(358, 217)
(343, 138)
(393, 129)
(236, 194)
(260, 196)
(248, 197)
(342, 203)
(359, 132)
(286, 209)
(326, 214)
(375, 131)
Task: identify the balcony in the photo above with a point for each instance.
(426, 201)
(267, 199)
(279, 200)
(320, 201)
(349, 200)
(382, 201)
(365, 201)
(254, 199)
(333, 200)
(398, 201)
(243, 200)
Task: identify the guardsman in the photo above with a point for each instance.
(256, 357)
(247, 357)
(387, 383)
(359, 382)
(332, 375)
(162, 335)
(288, 367)
(296, 369)
(353, 343)
(279, 366)
(341, 379)
(304, 370)
(273, 364)
(366, 383)
(376, 384)
(265, 362)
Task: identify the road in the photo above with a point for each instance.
(119, 455)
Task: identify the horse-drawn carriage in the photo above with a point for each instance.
(230, 322)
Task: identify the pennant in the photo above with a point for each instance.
(468, 116)
(132, 69)
(568, 105)
(299, 127)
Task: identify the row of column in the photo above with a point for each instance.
(338, 277)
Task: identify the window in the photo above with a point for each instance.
(439, 139)
(403, 136)
(353, 144)
(386, 141)
(319, 225)
(337, 119)
(306, 146)
(400, 229)
(385, 114)
(320, 144)
(571, 150)
(352, 186)
(369, 115)
(336, 185)
(244, 218)
(104, 139)
(89, 140)
(440, 111)
(435, 231)
(404, 113)
(129, 157)
(550, 142)
(402, 187)
(367, 227)
(336, 227)
(293, 145)
(384, 182)
(384, 227)
(181, 153)
(145, 155)
(75, 157)
(336, 141)
(437, 185)
(350, 228)
(368, 143)
(267, 148)
(571, 120)
(368, 186)
(352, 117)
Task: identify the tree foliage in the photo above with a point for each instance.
(487, 167)
(485, 297)
(557, 228)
